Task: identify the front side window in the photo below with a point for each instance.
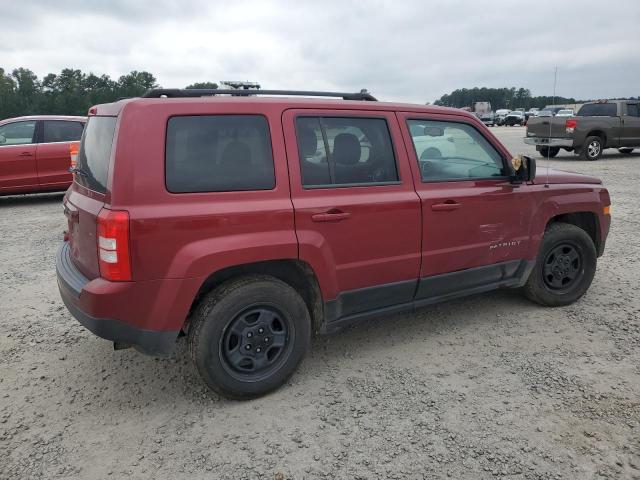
(218, 153)
(62, 131)
(453, 151)
(17, 133)
(632, 110)
(345, 151)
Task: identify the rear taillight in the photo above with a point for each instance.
(73, 154)
(570, 125)
(113, 245)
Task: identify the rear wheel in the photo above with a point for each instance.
(248, 336)
(549, 151)
(625, 150)
(592, 149)
(564, 268)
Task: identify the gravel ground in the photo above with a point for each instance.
(489, 386)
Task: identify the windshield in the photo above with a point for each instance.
(95, 152)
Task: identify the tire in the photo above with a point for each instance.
(564, 268)
(592, 149)
(549, 151)
(231, 327)
(626, 151)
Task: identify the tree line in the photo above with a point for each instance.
(71, 92)
(510, 98)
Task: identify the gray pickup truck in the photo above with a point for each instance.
(596, 126)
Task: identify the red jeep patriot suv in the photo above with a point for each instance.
(249, 222)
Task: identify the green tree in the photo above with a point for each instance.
(203, 85)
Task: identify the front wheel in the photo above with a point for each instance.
(564, 268)
(248, 336)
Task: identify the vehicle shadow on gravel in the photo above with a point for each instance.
(570, 157)
(31, 199)
(174, 380)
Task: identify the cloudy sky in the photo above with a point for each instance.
(399, 50)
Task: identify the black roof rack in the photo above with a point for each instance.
(203, 92)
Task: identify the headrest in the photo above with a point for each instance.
(346, 149)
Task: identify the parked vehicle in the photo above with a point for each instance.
(489, 119)
(501, 114)
(34, 153)
(515, 118)
(596, 126)
(482, 107)
(248, 224)
(565, 112)
(545, 113)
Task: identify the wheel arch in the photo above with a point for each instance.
(587, 221)
(598, 133)
(296, 273)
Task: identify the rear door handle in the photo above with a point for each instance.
(330, 216)
(446, 206)
(26, 154)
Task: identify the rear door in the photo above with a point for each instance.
(630, 136)
(87, 194)
(18, 171)
(473, 217)
(52, 155)
(357, 214)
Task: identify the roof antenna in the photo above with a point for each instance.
(555, 81)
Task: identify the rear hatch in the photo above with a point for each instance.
(547, 127)
(88, 193)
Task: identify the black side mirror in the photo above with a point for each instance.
(524, 169)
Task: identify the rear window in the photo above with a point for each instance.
(218, 153)
(94, 154)
(598, 110)
(62, 131)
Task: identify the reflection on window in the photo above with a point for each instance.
(453, 151)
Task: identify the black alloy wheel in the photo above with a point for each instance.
(255, 341)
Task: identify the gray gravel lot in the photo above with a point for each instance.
(489, 386)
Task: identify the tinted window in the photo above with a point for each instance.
(598, 110)
(17, 133)
(62, 131)
(94, 154)
(218, 153)
(632, 109)
(345, 150)
(453, 151)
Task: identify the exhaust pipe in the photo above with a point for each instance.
(120, 346)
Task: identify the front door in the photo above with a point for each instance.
(475, 222)
(18, 171)
(357, 214)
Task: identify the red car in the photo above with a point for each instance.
(250, 223)
(34, 153)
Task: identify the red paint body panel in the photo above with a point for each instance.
(393, 234)
(36, 167)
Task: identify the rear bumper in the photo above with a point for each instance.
(549, 142)
(123, 312)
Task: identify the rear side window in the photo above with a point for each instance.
(95, 152)
(632, 110)
(218, 153)
(598, 110)
(17, 133)
(62, 131)
(344, 151)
